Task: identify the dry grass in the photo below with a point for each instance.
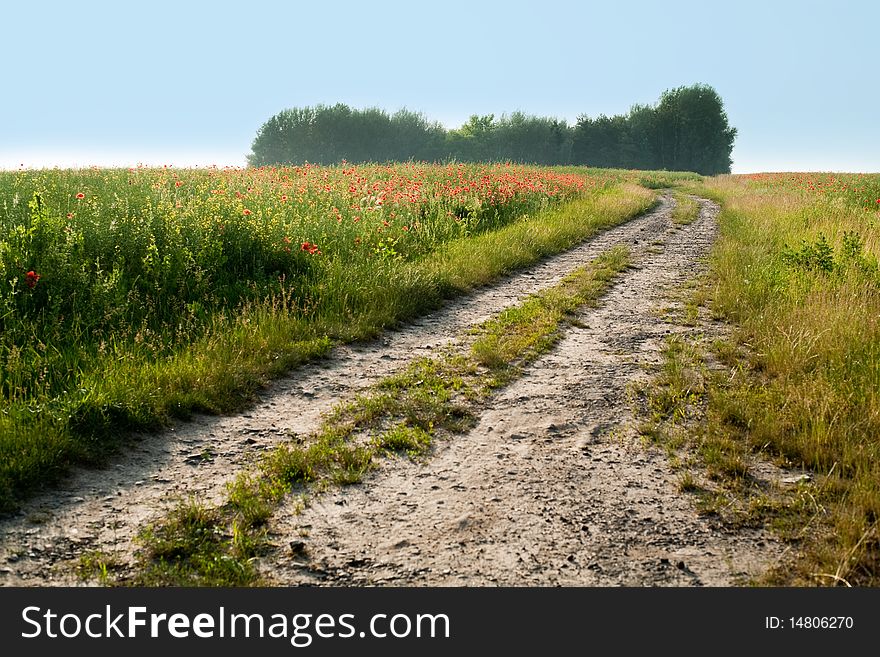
(796, 272)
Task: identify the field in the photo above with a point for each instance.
(795, 270)
(742, 337)
(133, 295)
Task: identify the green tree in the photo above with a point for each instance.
(687, 130)
(692, 132)
(472, 141)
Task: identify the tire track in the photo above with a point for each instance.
(551, 487)
(102, 510)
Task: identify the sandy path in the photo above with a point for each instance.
(103, 509)
(551, 487)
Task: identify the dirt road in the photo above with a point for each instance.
(549, 488)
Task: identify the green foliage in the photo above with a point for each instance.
(686, 131)
(686, 210)
(404, 438)
(191, 547)
(667, 179)
(818, 256)
(692, 131)
(328, 135)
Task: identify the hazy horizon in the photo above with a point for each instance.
(103, 84)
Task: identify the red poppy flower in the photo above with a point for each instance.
(311, 249)
(80, 195)
(31, 279)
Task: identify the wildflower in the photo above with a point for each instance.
(80, 196)
(31, 279)
(311, 249)
(246, 212)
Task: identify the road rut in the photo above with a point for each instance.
(548, 489)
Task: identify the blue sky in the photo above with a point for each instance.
(190, 83)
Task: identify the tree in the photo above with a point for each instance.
(642, 122)
(692, 131)
(603, 142)
(472, 141)
(286, 138)
(687, 130)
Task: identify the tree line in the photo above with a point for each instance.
(686, 130)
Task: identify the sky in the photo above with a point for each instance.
(189, 83)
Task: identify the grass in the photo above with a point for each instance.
(160, 293)
(686, 209)
(99, 566)
(404, 413)
(667, 179)
(798, 382)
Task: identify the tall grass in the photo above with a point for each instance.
(129, 296)
(796, 270)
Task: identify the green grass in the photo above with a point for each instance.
(163, 293)
(404, 413)
(667, 179)
(795, 272)
(98, 566)
(686, 209)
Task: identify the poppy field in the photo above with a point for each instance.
(133, 295)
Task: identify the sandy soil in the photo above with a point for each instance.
(549, 488)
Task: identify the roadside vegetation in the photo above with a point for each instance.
(131, 296)
(795, 273)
